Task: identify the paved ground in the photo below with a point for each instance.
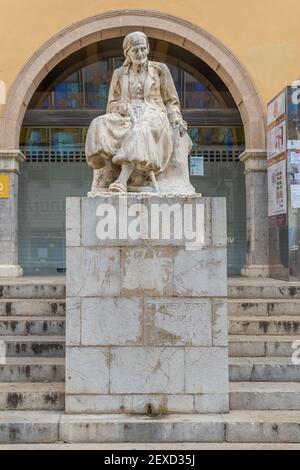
(132, 446)
(60, 279)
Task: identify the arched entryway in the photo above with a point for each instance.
(171, 30)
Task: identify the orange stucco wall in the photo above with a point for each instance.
(263, 34)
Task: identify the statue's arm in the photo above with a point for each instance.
(169, 94)
(171, 100)
(114, 95)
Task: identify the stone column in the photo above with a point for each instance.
(257, 254)
(9, 166)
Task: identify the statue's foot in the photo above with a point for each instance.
(117, 187)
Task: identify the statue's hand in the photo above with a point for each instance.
(123, 109)
(179, 124)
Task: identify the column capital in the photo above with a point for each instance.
(255, 160)
(10, 159)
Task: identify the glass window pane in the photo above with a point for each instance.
(65, 139)
(67, 93)
(96, 84)
(34, 137)
(197, 95)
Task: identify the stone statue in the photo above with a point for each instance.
(141, 143)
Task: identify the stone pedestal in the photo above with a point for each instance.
(147, 312)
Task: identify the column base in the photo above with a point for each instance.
(256, 270)
(278, 271)
(10, 270)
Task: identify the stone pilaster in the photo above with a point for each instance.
(257, 254)
(9, 165)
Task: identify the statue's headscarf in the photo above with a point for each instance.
(131, 40)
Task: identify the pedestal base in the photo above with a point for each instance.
(10, 270)
(146, 312)
(256, 270)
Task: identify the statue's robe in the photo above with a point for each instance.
(146, 139)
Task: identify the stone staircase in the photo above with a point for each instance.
(32, 325)
(264, 321)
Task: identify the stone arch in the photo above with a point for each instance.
(118, 23)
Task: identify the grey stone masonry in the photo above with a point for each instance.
(9, 166)
(146, 308)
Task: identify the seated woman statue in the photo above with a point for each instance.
(143, 110)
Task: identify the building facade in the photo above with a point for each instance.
(57, 59)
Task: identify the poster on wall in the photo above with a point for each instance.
(295, 196)
(196, 166)
(276, 126)
(294, 157)
(276, 109)
(294, 144)
(276, 140)
(277, 189)
(277, 150)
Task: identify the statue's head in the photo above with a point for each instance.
(136, 48)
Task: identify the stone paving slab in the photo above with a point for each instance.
(235, 427)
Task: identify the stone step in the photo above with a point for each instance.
(264, 396)
(239, 288)
(264, 345)
(28, 307)
(32, 396)
(240, 426)
(16, 325)
(263, 369)
(241, 369)
(33, 288)
(28, 369)
(271, 325)
(32, 346)
(264, 307)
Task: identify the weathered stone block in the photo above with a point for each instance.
(87, 370)
(219, 322)
(145, 219)
(189, 269)
(112, 321)
(206, 370)
(93, 429)
(142, 404)
(219, 223)
(178, 322)
(93, 271)
(151, 370)
(146, 271)
(73, 321)
(73, 221)
(212, 403)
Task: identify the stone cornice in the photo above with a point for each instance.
(255, 160)
(10, 159)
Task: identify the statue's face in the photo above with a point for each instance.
(138, 53)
